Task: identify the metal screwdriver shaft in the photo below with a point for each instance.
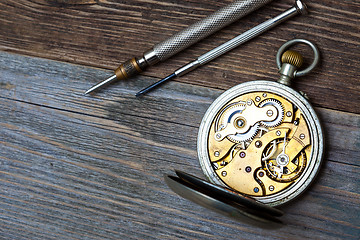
(298, 8)
(183, 39)
(101, 84)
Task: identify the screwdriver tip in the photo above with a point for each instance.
(88, 91)
(101, 84)
(156, 84)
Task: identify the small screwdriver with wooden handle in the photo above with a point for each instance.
(183, 39)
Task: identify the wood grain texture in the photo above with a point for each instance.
(109, 32)
(91, 167)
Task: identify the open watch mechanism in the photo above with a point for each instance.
(258, 144)
(262, 140)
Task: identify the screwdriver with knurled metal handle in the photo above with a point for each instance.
(299, 7)
(183, 39)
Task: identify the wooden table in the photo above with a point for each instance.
(91, 167)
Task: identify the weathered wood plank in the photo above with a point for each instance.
(71, 186)
(74, 166)
(50, 88)
(109, 32)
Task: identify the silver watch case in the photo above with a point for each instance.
(296, 99)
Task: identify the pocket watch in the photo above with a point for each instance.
(261, 142)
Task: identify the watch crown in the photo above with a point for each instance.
(291, 61)
(292, 57)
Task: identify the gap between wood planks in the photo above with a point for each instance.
(59, 86)
(47, 83)
(107, 33)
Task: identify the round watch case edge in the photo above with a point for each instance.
(309, 114)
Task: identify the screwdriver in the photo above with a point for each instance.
(183, 39)
(298, 8)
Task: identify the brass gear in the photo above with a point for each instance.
(277, 104)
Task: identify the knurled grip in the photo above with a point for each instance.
(205, 27)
